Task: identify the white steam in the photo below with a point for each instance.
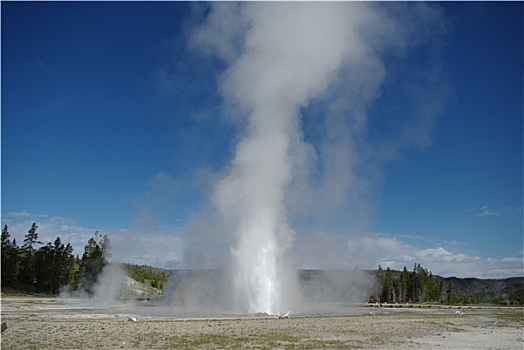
(282, 58)
(109, 286)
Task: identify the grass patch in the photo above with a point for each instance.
(7, 292)
(513, 317)
(217, 341)
(221, 341)
(327, 344)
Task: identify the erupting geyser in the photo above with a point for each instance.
(252, 196)
(279, 57)
(282, 56)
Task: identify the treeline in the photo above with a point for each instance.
(35, 267)
(418, 285)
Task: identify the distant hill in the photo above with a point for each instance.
(474, 290)
(132, 289)
(153, 276)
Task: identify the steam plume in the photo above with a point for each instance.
(281, 58)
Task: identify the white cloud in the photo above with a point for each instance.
(145, 243)
(446, 263)
(486, 212)
(439, 254)
(20, 214)
(497, 210)
(49, 228)
(371, 250)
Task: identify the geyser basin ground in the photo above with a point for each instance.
(49, 323)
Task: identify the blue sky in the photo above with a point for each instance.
(112, 121)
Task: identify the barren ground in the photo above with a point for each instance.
(56, 324)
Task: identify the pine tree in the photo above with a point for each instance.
(44, 269)
(423, 278)
(27, 272)
(67, 265)
(450, 293)
(404, 277)
(415, 284)
(10, 259)
(387, 287)
(31, 238)
(53, 266)
(93, 261)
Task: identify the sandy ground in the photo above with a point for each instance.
(57, 324)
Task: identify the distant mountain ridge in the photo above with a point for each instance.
(506, 290)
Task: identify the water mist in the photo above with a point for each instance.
(279, 58)
(284, 55)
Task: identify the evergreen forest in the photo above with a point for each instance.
(35, 267)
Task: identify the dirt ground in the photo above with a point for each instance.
(57, 324)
